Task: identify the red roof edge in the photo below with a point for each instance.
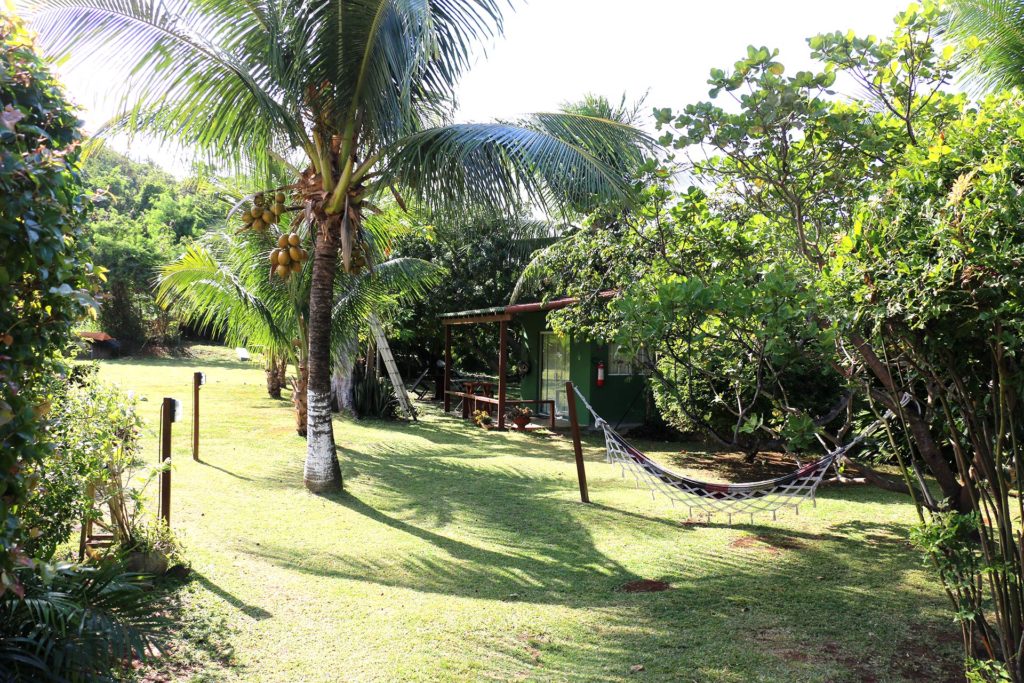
(95, 336)
(553, 304)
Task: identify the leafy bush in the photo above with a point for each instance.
(92, 429)
(43, 276)
(931, 276)
(94, 473)
(75, 624)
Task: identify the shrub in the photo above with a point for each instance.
(75, 624)
(94, 431)
(42, 278)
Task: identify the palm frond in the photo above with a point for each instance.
(552, 160)
(1000, 23)
(225, 292)
(196, 73)
(395, 281)
(82, 620)
(531, 279)
(395, 62)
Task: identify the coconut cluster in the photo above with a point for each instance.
(288, 257)
(359, 251)
(266, 211)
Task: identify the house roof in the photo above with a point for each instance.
(499, 313)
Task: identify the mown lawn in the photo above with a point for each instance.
(456, 554)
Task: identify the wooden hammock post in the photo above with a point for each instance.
(198, 379)
(447, 368)
(577, 444)
(166, 418)
(502, 359)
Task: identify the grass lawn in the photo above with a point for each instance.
(456, 554)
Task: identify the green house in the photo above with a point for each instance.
(552, 360)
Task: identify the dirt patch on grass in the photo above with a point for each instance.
(644, 586)
(731, 467)
(917, 660)
(767, 543)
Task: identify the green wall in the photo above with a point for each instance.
(620, 399)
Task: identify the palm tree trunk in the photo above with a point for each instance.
(300, 387)
(273, 378)
(344, 377)
(275, 369)
(322, 472)
(282, 372)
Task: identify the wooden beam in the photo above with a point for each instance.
(447, 367)
(196, 378)
(577, 444)
(474, 319)
(166, 417)
(502, 361)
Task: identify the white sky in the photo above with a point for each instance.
(557, 50)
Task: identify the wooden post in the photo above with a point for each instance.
(447, 367)
(166, 418)
(502, 361)
(197, 378)
(581, 472)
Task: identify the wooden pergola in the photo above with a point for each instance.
(501, 315)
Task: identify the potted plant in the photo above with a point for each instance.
(520, 416)
(482, 418)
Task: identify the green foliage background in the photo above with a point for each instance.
(143, 219)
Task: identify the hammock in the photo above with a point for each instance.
(770, 495)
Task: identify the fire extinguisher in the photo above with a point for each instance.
(600, 373)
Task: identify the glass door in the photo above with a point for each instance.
(554, 370)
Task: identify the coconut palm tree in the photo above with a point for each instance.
(361, 95)
(223, 283)
(1000, 24)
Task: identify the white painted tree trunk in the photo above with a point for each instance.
(343, 379)
(322, 472)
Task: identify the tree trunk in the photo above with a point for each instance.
(322, 472)
(343, 381)
(916, 424)
(274, 382)
(282, 372)
(299, 398)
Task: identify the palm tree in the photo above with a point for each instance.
(222, 283)
(600, 214)
(360, 94)
(1000, 25)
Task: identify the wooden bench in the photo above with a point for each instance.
(469, 402)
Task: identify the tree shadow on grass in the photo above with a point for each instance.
(795, 602)
(228, 472)
(797, 605)
(251, 611)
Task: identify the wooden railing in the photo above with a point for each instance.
(470, 401)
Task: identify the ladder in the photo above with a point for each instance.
(389, 362)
